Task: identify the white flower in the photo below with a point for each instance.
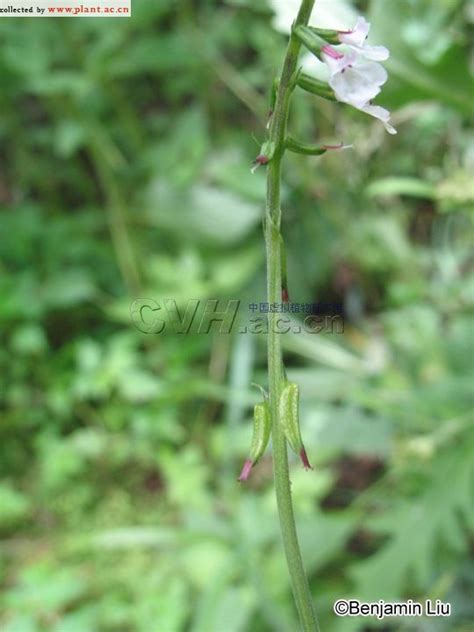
(356, 39)
(354, 80)
(380, 113)
(355, 76)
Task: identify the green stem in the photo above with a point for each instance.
(299, 582)
(116, 216)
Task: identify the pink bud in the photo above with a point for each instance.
(335, 147)
(332, 52)
(261, 159)
(244, 474)
(304, 458)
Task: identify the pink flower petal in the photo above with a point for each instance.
(244, 474)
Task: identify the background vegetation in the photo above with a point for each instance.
(126, 149)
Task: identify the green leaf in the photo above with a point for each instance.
(418, 529)
(15, 506)
(412, 187)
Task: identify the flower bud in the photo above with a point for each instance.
(266, 154)
(261, 433)
(302, 148)
(289, 418)
(311, 150)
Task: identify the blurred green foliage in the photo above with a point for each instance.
(126, 147)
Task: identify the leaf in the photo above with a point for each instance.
(68, 288)
(348, 430)
(45, 588)
(139, 386)
(321, 349)
(412, 187)
(222, 606)
(419, 529)
(207, 214)
(15, 505)
(180, 156)
(322, 537)
(166, 604)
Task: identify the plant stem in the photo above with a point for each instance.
(299, 582)
(116, 217)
